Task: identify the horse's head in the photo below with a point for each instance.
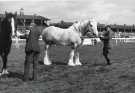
(87, 26)
(11, 18)
(91, 27)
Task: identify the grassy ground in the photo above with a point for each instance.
(93, 77)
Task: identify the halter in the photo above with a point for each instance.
(76, 28)
(81, 27)
(85, 25)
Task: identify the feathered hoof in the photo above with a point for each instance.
(79, 64)
(47, 61)
(48, 64)
(71, 64)
(4, 72)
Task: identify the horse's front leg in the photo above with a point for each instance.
(46, 57)
(71, 59)
(4, 68)
(77, 60)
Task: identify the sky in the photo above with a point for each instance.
(104, 11)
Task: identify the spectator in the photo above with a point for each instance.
(32, 51)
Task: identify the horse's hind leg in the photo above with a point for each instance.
(71, 59)
(4, 68)
(46, 57)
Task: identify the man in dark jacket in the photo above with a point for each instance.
(32, 51)
(105, 38)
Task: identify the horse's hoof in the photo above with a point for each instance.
(4, 72)
(78, 63)
(71, 64)
(48, 64)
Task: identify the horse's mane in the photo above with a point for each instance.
(84, 22)
(78, 26)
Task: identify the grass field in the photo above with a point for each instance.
(93, 77)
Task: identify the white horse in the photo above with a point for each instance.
(71, 36)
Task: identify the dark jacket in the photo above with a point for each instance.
(32, 42)
(106, 37)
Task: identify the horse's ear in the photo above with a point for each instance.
(90, 23)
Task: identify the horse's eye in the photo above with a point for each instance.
(90, 25)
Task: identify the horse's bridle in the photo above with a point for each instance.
(87, 29)
(75, 28)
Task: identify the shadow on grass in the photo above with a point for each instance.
(100, 64)
(41, 63)
(59, 63)
(16, 75)
(54, 63)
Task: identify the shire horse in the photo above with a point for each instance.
(71, 37)
(7, 31)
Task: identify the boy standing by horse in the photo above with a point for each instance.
(32, 51)
(105, 38)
